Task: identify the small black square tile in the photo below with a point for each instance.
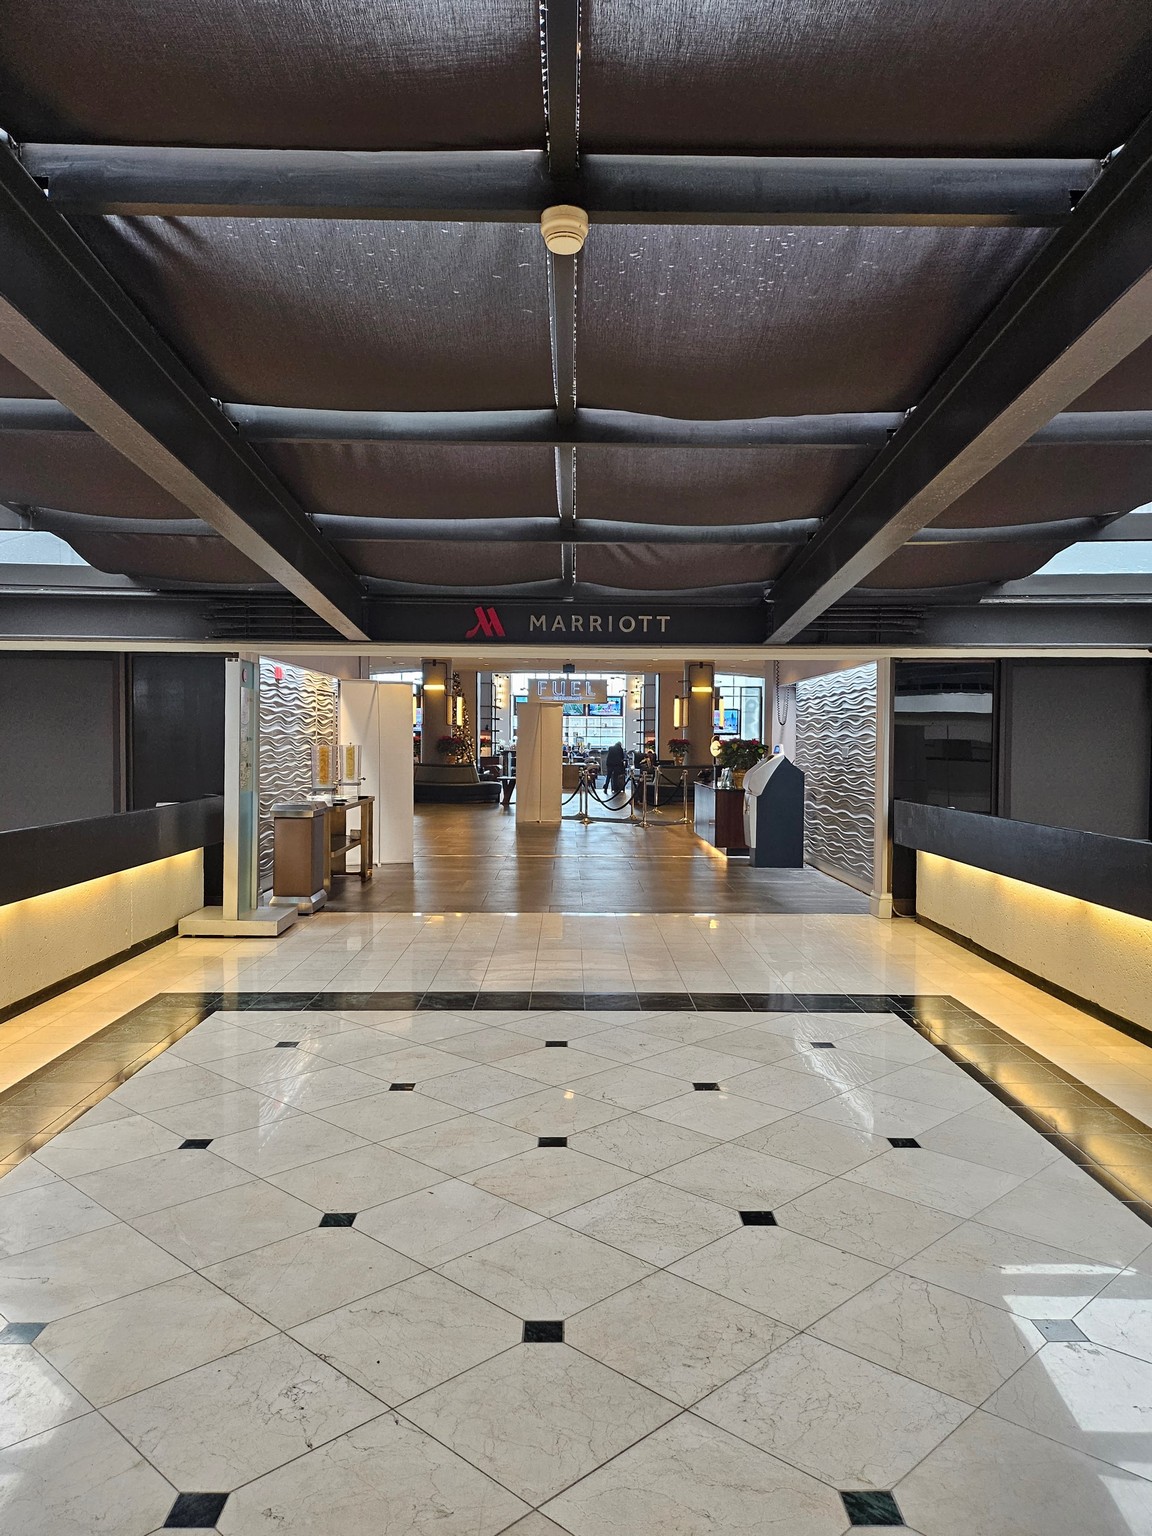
(287, 1045)
(401, 1087)
(338, 1218)
(1060, 1330)
(869, 1508)
(556, 1043)
(195, 1511)
(758, 1218)
(903, 1141)
(195, 1144)
(21, 1333)
(706, 1087)
(551, 1141)
(822, 1045)
(544, 1332)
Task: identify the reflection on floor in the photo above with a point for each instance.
(707, 1265)
(474, 858)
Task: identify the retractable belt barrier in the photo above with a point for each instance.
(636, 789)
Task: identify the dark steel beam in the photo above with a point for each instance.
(67, 325)
(1080, 624)
(540, 428)
(496, 186)
(560, 22)
(1079, 308)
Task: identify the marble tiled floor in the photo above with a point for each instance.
(699, 951)
(342, 1271)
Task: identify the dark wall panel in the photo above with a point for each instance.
(1077, 738)
(177, 728)
(59, 737)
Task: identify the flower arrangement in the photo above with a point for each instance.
(739, 755)
(453, 747)
(678, 747)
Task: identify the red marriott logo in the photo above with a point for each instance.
(487, 624)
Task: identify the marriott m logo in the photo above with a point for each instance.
(487, 624)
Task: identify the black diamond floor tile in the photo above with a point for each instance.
(338, 1218)
(758, 1218)
(868, 1508)
(706, 1087)
(544, 1332)
(195, 1511)
(21, 1333)
(552, 1141)
(1061, 1330)
(287, 1045)
(401, 1087)
(822, 1045)
(556, 1043)
(195, 1144)
(903, 1141)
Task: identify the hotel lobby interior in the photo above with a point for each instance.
(575, 768)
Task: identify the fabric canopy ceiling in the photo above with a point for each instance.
(759, 334)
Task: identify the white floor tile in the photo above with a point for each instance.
(850, 1423)
(692, 1479)
(228, 1422)
(539, 1416)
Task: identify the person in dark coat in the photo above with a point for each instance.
(615, 767)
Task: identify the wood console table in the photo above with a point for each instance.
(718, 816)
(340, 842)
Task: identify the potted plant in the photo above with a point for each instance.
(739, 755)
(678, 749)
(454, 748)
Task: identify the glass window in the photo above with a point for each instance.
(944, 734)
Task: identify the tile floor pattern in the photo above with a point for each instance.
(257, 1287)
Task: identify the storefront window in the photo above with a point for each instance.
(944, 734)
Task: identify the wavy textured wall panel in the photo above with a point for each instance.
(295, 711)
(836, 747)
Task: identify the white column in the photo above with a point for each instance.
(378, 718)
(880, 900)
(539, 763)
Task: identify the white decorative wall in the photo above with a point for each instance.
(836, 748)
(296, 710)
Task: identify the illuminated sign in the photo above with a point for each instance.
(567, 690)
